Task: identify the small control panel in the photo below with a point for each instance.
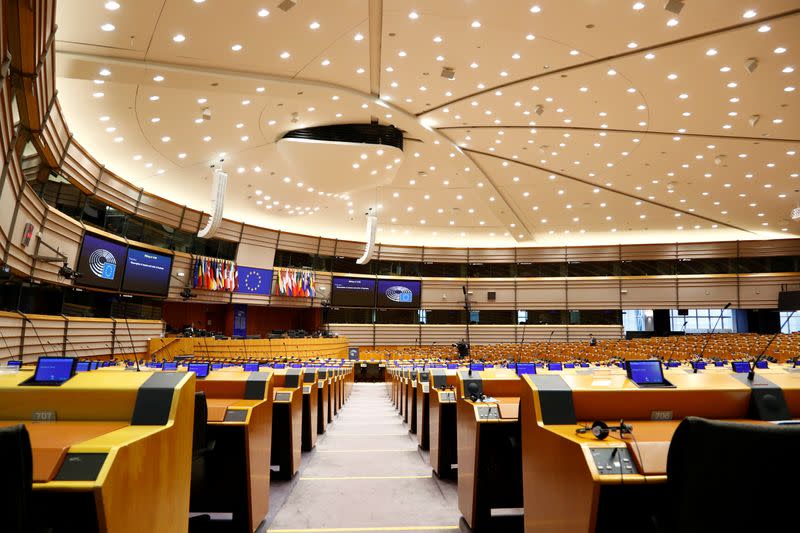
(426, 388)
(306, 389)
(488, 412)
(321, 384)
(447, 397)
(283, 396)
(613, 461)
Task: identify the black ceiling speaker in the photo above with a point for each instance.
(377, 134)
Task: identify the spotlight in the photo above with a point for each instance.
(187, 294)
(674, 6)
(448, 73)
(753, 120)
(67, 273)
(751, 64)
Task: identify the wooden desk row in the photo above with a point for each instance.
(112, 449)
(515, 443)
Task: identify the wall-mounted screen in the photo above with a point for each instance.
(399, 293)
(101, 263)
(352, 292)
(147, 272)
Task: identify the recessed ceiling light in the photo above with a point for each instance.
(179, 37)
(787, 70)
(413, 15)
(237, 47)
(98, 95)
(112, 6)
(154, 98)
(711, 52)
(358, 37)
(638, 5)
(99, 82)
(764, 28)
(263, 13)
(683, 96)
(198, 120)
(530, 37)
(207, 138)
(314, 25)
(611, 72)
(155, 120)
(360, 70)
(672, 22)
(166, 139)
(650, 56)
(402, 53)
(108, 27)
(111, 129)
(779, 50)
(632, 45)
(574, 52)
(750, 13)
(788, 89)
(672, 76)
(725, 69)
(475, 24)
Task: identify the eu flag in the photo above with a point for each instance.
(254, 280)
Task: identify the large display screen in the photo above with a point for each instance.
(353, 292)
(399, 293)
(101, 263)
(255, 280)
(147, 272)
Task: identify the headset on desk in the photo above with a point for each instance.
(601, 430)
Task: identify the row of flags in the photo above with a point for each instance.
(215, 274)
(296, 283)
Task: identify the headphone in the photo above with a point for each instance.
(601, 430)
(473, 392)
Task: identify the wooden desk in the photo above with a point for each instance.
(489, 451)
(323, 400)
(234, 476)
(287, 423)
(121, 443)
(422, 401)
(310, 407)
(570, 481)
(443, 428)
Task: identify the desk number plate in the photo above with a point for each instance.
(43, 416)
(660, 415)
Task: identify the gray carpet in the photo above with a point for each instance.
(365, 475)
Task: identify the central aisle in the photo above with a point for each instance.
(367, 474)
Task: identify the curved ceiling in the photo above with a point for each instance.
(579, 122)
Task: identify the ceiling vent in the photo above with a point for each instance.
(448, 73)
(286, 5)
(674, 6)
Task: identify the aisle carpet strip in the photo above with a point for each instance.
(348, 478)
(362, 529)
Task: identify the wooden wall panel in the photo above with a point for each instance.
(653, 292)
(760, 291)
(82, 170)
(771, 247)
(542, 293)
(492, 255)
(442, 293)
(117, 192)
(593, 253)
(707, 250)
(63, 233)
(502, 287)
(706, 292)
(648, 252)
(444, 255)
(294, 242)
(166, 212)
(593, 293)
(542, 255)
(357, 334)
(388, 252)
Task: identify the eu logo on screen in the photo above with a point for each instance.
(103, 264)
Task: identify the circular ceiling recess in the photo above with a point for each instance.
(464, 125)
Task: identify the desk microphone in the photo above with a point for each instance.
(8, 349)
(130, 335)
(35, 331)
(708, 337)
(752, 374)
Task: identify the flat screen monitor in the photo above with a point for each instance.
(82, 366)
(251, 367)
(13, 363)
(526, 368)
(170, 365)
(147, 272)
(698, 365)
(399, 293)
(569, 365)
(352, 292)
(279, 365)
(554, 366)
(101, 263)
(479, 367)
(584, 365)
(216, 366)
(296, 365)
(54, 370)
(201, 369)
(673, 364)
(645, 372)
(740, 367)
(762, 364)
(452, 366)
(93, 365)
(719, 363)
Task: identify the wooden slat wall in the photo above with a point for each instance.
(445, 335)
(168, 348)
(73, 336)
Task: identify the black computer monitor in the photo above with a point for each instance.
(452, 366)
(82, 366)
(216, 366)
(646, 373)
(526, 368)
(201, 369)
(169, 365)
(14, 362)
(53, 370)
(569, 365)
(279, 365)
(93, 365)
(740, 367)
(762, 364)
(251, 367)
(477, 367)
(699, 365)
(554, 366)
